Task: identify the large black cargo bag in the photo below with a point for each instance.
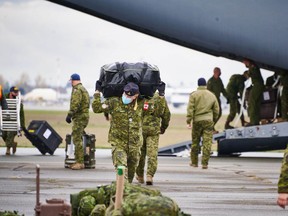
(116, 75)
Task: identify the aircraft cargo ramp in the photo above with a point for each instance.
(253, 138)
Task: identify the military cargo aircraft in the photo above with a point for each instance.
(232, 29)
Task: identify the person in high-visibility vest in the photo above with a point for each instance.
(3, 102)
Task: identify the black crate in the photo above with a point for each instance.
(43, 136)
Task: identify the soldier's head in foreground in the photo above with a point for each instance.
(131, 93)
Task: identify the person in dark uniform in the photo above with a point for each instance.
(78, 114)
(255, 94)
(234, 90)
(216, 86)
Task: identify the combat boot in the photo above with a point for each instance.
(149, 180)
(77, 166)
(140, 179)
(8, 151)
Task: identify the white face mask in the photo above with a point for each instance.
(126, 100)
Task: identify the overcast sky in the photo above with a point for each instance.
(40, 37)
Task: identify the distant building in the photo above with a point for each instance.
(41, 94)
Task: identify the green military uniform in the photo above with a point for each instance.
(255, 94)
(152, 126)
(9, 136)
(283, 179)
(79, 111)
(125, 134)
(235, 85)
(203, 111)
(284, 96)
(216, 86)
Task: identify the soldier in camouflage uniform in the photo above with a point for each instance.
(125, 134)
(216, 86)
(9, 136)
(152, 127)
(235, 86)
(79, 114)
(283, 182)
(203, 112)
(284, 96)
(255, 94)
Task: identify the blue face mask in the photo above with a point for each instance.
(126, 100)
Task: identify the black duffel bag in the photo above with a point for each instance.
(115, 76)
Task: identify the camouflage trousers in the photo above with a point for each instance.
(8, 137)
(283, 178)
(128, 156)
(149, 148)
(201, 129)
(79, 124)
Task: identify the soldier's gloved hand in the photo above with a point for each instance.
(68, 119)
(161, 88)
(98, 86)
(162, 130)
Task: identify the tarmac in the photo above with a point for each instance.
(232, 186)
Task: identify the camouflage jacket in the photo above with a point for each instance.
(216, 86)
(202, 105)
(235, 85)
(283, 178)
(152, 122)
(126, 121)
(79, 102)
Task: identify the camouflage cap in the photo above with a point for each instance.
(131, 89)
